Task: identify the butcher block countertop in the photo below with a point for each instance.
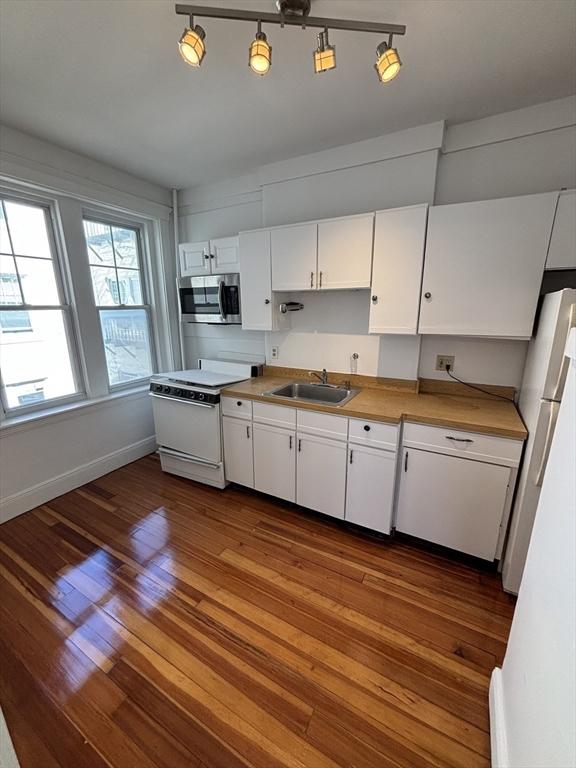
(476, 414)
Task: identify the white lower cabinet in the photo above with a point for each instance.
(452, 501)
(370, 487)
(238, 454)
(275, 461)
(321, 474)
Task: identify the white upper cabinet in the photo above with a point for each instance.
(345, 252)
(209, 257)
(484, 265)
(399, 240)
(194, 258)
(256, 281)
(224, 255)
(562, 252)
(294, 257)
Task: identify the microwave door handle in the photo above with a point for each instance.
(221, 300)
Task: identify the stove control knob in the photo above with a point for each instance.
(191, 395)
(201, 396)
(167, 390)
(178, 393)
(158, 387)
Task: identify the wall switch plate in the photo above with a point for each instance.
(443, 360)
(275, 353)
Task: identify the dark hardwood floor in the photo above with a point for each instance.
(147, 621)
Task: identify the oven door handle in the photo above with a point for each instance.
(180, 400)
(186, 457)
(221, 300)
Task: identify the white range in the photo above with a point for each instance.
(186, 407)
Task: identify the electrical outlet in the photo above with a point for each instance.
(275, 353)
(443, 360)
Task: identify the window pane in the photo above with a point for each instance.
(125, 247)
(5, 246)
(99, 243)
(9, 286)
(28, 230)
(16, 321)
(105, 286)
(129, 285)
(126, 343)
(38, 281)
(36, 365)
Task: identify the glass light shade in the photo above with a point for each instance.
(324, 59)
(388, 63)
(260, 55)
(191, 45)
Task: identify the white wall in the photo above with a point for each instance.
(48, 457)
(522, 152)
(533, 697)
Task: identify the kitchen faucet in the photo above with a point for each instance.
(323, 376)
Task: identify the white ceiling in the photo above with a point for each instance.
(104, 78)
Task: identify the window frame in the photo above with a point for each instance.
(65, 306)
(110, 219)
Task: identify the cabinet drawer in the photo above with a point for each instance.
(373, 433)
(275, 415)
(241, 409)
(322, 424)
(472, 445)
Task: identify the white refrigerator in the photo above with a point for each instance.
(533, 696)
(540, 397)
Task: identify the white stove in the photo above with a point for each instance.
(186, 407)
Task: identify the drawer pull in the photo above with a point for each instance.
(366, 428)
(459, 439)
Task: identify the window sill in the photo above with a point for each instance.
(63, 412)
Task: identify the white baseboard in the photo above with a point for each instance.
(498, 742)
(14, 505)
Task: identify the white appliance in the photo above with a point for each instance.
(540, 396)
(186, 407)
(533, 696)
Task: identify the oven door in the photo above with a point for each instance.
(214, 299)
(191, 429)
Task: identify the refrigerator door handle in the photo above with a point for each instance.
(557, 394)
(554, 408)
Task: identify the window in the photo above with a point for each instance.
(37, 354)
(114, 256)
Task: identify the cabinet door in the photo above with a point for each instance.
(484, 265)
(256, 281)
(294, 251)
(275, 461)
(562, 253)
(399, 239)
(370, 487)
(238, 455)
(194, 258)
(321, 475)
(345, 252)
(224, 255)
(451, 501)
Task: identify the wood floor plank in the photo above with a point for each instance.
(150, 621)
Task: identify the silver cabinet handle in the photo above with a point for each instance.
(320, 279)
(290, 442)
(311, 279)
(459, 439)
(299, 445)
(248, 432)
(406, 462)
(351, 455)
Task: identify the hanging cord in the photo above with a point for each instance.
(478, 389)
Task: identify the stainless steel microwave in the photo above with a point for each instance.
(210, 299)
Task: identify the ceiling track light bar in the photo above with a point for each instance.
(235, 14)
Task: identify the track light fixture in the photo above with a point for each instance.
(387, 61)
(291, 13)
(260, 53)
(325, 54)
(191, 44)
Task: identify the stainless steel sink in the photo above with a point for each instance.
(325, 394)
